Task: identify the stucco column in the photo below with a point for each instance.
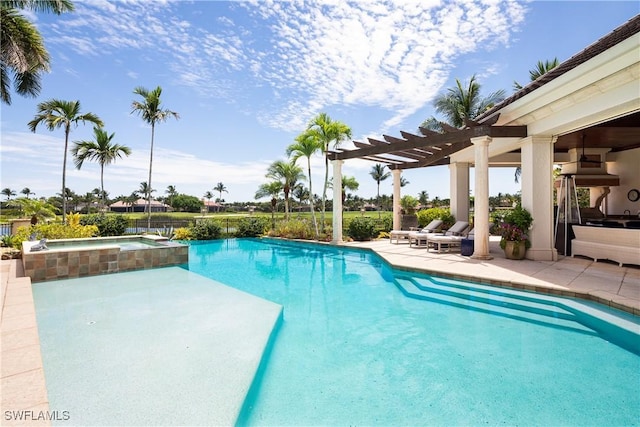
(337, 201)
(397, 217)
(459, 190)
(537, 195)
(481, 208)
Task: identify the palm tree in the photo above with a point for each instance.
(88, 199)
(378, 174)
(69, 195)
(327, 131)
(271, 189)
(151, 112)
(301, 193)
(460, 103)
(287, 173)
(540, 69)
(57, 113)
(208, 195)
(102, 151)
(146, 190)
(38, 210)
(348, 183)
(306, 145)
(220, 188)
(27, 192)
(23, 51)
(171, 193)
(8, 192)
(131, 199)
(423, 198)
(404, 181)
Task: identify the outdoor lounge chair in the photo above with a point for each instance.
(421, 240)
(432, 227)
(448, 242)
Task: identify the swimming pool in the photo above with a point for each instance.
(356, 347)
(359, 344)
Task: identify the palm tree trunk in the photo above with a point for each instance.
(313, 213)
(378, 201)
(286, 203)
(102, 186)
(149, 188)
(324, 190)
(67, 129)
(274, 203)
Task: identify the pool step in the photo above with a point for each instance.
(493, 296)
(520, 310)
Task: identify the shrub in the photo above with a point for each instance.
(206, 230)
(387, 223)
(252, 227)
(362, 228)
(6, 240)
(294, 229)
(53, 231)
(183, 233)
(383, 235)
(427, 215)
(108, 225)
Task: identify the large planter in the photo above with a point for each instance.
(514, 250)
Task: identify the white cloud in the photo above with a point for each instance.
(394, 55)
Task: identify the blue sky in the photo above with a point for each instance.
(246, 77)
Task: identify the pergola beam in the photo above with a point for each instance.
(444, 141)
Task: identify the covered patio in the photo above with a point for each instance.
(583, 114)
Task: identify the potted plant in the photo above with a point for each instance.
(514, 232)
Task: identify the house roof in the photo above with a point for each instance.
(139, 202)
(616, 36)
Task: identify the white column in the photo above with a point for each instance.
(481, 208)
(459, 190)
(537, 195)
(397, 218)
(337, 201)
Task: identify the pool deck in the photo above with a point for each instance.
(23, 381)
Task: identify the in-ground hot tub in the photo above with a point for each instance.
(69, 258)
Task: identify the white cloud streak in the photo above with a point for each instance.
(395, 55)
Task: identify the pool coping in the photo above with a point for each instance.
(24, 390)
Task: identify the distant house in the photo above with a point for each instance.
(139, 205)
(212, 206)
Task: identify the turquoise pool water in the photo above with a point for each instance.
(363, 345)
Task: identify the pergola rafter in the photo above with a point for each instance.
(429, 149)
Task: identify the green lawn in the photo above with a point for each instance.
(278, 215)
